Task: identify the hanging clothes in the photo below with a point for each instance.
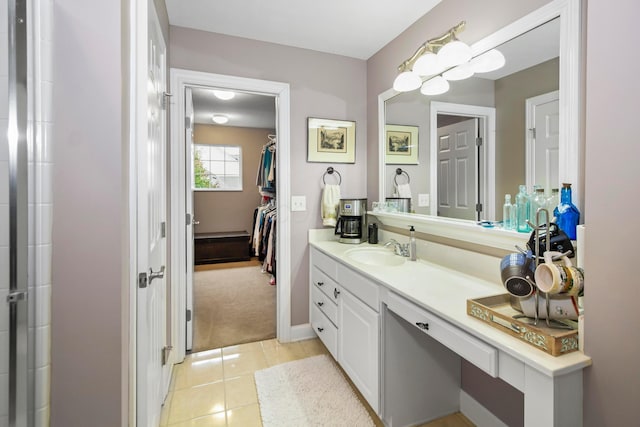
(266, 176)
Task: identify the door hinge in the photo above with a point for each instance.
(478, 207)
(188, 219)
(188, 315)
(142, 280)
(16, 296)
(479, 141)
(533, 132)
(163, 229)
(166, 350)
(165, 99)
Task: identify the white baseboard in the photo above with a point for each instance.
(478, 414)
(302, 332)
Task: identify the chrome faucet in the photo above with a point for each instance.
(398, 248)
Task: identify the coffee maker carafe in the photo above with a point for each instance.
(352, 220)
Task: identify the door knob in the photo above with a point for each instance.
(156, 274)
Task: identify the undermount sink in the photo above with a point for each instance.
(374, 256)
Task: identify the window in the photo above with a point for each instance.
(217, 167)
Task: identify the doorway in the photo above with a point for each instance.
(482, 123)
(182, 211)
(232, 175)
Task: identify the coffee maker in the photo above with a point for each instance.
(352, 220)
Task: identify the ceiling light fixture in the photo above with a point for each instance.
(220, 119)
(446, 58)
(225, 95)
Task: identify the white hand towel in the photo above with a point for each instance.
(329, 205)
(404, 190)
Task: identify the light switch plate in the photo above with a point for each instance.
(298, 203)
(423, 200)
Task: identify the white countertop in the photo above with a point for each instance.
(445, 292)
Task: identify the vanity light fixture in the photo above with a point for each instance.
(444, 58)
(220, 119)
(224, 95)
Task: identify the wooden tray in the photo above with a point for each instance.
(497, 311)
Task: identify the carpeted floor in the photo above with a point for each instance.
(233, 304)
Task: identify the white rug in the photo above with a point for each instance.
(308, 392)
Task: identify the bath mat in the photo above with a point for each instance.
(308, 392)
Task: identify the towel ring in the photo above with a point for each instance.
(330, 171)
(401, 172)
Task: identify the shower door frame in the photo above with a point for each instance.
(19, 415)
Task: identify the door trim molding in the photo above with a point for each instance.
(181, 78)
(489, 131)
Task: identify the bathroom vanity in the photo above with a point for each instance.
(399, 329)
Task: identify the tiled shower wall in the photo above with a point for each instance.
(40, 84)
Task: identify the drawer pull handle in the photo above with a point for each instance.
(320, 303)
(336, 292)
(320, 329)
(320, 283)
(422, 325)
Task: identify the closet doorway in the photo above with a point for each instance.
(224, 260)
(233, 146)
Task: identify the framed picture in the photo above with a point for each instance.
(331, 141)
(401, 145)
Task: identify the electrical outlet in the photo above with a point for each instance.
(423, 200)
(298, 203)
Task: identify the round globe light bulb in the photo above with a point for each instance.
(427, 64)
(461, 72)
(435, 86)
(407, 81)
(489, 61)
(454, 53)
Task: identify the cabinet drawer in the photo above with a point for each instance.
(323, 282)
(363, 288)
(325, 304)
(326, 331)
(324, 263)
(467, 346)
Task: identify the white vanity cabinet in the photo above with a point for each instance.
(345, 315)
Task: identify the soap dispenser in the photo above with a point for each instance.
(412, 244)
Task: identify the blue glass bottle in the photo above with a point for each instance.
(522, 210)
(566, 213)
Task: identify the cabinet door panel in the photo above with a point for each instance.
(358, 338)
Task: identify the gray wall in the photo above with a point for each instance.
(89, 306)
(230, 210)
(612, 384)
(322, 85)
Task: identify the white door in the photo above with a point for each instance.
(151, 339)
(188, 113)
(543, 135)
(458, 170)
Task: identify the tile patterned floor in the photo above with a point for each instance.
(216, 388)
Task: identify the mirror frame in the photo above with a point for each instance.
(570, 78)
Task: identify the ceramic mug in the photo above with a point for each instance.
(563, 277)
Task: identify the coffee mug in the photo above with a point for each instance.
(517, 272)
(562, 278)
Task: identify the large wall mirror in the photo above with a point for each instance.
(540, 79)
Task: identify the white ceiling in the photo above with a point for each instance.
(354, 28)
(244, 110)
